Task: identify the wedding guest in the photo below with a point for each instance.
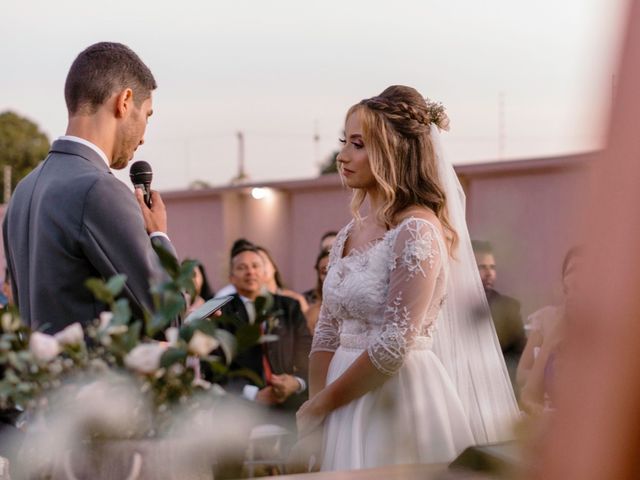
(321, 267)
(282, 364)
(273, 280)
(229, 289)
(7, 295)
(505, 310)
(202, 289)
(544, 345)
(326, 242)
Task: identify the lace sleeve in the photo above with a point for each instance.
(326, 337)
(327, 334)
(415, 267)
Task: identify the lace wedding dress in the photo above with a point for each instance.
(385, 299)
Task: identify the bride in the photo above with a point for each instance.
(405, 365)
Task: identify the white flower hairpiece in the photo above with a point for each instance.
(437, 114)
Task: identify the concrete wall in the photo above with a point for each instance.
(524, 209)
(521, 206)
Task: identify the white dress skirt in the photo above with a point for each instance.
(415, 417)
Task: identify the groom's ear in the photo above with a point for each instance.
(123, 103)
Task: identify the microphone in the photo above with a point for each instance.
(141, 175)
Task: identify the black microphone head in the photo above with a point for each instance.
(140, 173)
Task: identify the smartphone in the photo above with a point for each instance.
(208, 309)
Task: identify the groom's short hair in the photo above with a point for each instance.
(101, 70)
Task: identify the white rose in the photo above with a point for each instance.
(145, 358)
(105, 318)
(171, 334)
(72, 335)
(7, 322)
(201, 344)
(44, 347)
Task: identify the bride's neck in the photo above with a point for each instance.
(375, 202)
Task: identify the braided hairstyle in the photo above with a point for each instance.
(396, 131)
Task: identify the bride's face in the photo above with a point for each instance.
(353, 160)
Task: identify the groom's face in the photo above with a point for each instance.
(130, 134)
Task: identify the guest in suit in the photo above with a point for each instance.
(505, 310)
(282, 364)
(70, 218)
(229, 289)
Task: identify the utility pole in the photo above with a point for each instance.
(316, 142)
(242, 176)
(501, 126)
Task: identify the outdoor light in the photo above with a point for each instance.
(259, 193)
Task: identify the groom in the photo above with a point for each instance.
(70, 218)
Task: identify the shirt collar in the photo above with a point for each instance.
(92, 146)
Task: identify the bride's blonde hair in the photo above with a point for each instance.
(396, 133)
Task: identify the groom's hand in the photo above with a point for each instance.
(155, 218)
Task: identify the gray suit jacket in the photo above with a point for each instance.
(68, 220)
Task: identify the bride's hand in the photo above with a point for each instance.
(306, 454)
(309, 417)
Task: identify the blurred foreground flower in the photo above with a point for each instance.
(44, 347)
(114, 380)
(202, 344)
(145, 358)
(72, 335)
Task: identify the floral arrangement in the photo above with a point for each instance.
(161, 360)
(437, 114)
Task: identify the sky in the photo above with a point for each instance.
(284, 72)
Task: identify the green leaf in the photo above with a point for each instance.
(186, 332)
(172, 311)
(184, 281)
(171, 356)
(247, 336)
(157, 323)
(218, 367)
(205, 326)
(167, 260)
(121, 312)
(98, 287)
(263, 304)
(115, 284)
(228, 344)
(219, 370)
(246, 373)
(132, 337)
